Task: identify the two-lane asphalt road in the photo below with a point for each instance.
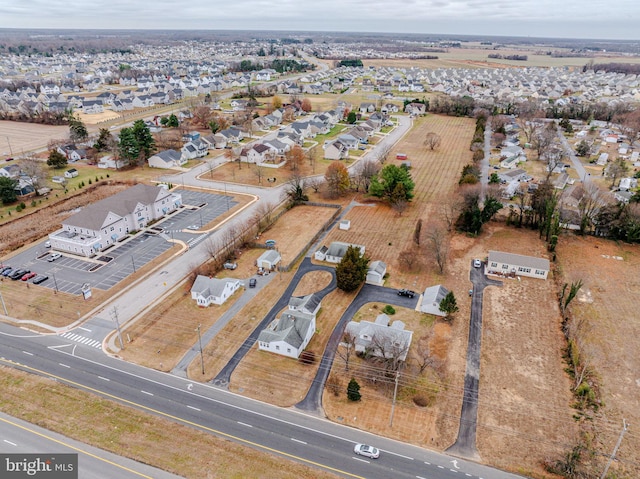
(284, 432)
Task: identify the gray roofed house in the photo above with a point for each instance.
(102, 224)
(269, 259)
(336, 251)
(379, 339)
(511, 264)
(207, 291)
(289, 334)
(309, 304)
(166, 159)
(431, 300)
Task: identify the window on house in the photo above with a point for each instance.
(493, 265)
(278, 348)
(505, 266)
(288, 350)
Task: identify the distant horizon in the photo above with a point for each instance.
(451, 36)
(569, 19)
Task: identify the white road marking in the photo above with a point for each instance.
(147, 393)
(27, 353)
(104, 379)
(65, 365)
(84, 329)
(419, 477)
(9, 442)
(427, 463)
(297, 440)
(440, 467)
(194, 408)
(244, 424)
(361, 460)
(399, 455)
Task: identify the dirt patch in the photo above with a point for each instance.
(18, 137)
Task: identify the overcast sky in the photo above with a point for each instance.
(614, 19)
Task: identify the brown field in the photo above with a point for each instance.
(608, 302)
(134, 433)
(18, 138)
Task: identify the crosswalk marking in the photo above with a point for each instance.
(82, 340)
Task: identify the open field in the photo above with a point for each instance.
(17, 138)
(608, 305)
(478, 58)
(136, 434)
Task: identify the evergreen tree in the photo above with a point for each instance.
(144, 138)
(352, 270)
(128, 146)
(353, 390)
(8, 190)
(77, 130)
(56, 159)
(351, 117)
(449, 305)
(103, 140)
(173, 121)
(384, 184)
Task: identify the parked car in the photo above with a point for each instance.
(28, 276)
(477, 263)
(18, 273)
(230, 265)
(252, 283)
(53, 256)
(41, 278)
(7, 271)
(368, 451)
(47, 244)
(5, 268)
(406, 292)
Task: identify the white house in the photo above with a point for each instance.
(289, 334)
(269, 259)
(335, 252)
(380, 339)
(71, 173)
(102, 224)
(207, 291)
(517, 265)
(167, 159)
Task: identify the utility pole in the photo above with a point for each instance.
(625, 426)
(114, 315)
(393, 404)
(201, 355)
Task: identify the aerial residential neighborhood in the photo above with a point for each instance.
(315, 254)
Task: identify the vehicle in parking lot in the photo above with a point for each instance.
(28, 276)
(477, 263)
(230, 265)
(41, 278)
(7, 271)
(406, 292)
(18, 273)
(368, 451)
(53, 257)
(193, 227)
(252, 283)
(5, 268)
(47, 244)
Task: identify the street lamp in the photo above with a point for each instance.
(200, 343)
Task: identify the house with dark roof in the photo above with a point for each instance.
(207, 291)
(289, 334)
(104, 223)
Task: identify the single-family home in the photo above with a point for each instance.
(336, 251)
(336, 150)
(380, 339)
(416, 109)
(291, 333)
(510, 264)
(71, 173)
(167, 159)
(72, 152)
(207, 291)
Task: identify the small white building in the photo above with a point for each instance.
(511, 264)
(431, 300)
(380, 339)
(336, 251)
(268, 260)
(376, 272)
(207, 291)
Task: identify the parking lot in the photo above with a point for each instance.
(69, 273)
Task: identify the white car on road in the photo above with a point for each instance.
(369, 451)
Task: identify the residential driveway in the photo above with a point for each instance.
(575, 161)
(465, 445)
(369, 293)
(223, 378)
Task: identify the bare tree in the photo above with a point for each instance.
(617, 169)
(259, 172)
(593, 200)
(34, 170)
(347, 348)
(382, 153)
(450, 210)
(432, 140)
(553, 157)
(417, 231)
(265, 214)
(544, 138)
(295, 189)
(366, 170)
(202, 115)
(314, 183)
(390, 347)
(438, 244)
(408, 258)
